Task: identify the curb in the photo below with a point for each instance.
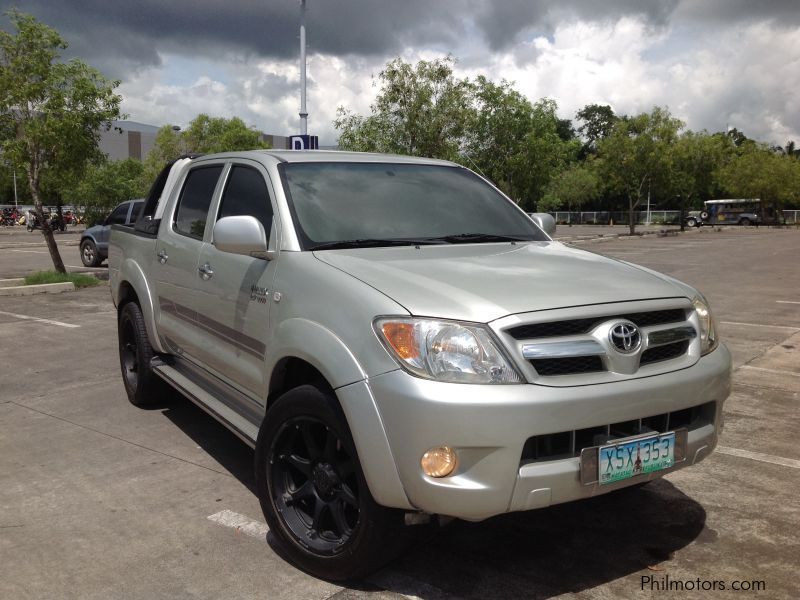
(30, 290)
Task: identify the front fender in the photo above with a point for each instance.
(318, 346)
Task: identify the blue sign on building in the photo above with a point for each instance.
(304, 142)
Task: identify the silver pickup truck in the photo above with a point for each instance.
(399, 341)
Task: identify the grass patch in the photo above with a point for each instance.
(79, 279)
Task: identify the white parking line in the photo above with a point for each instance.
(39, 320)
(767, 458)
(30, 251)
(787, 301)
(388, 579)
(240, 523)
(760, 325)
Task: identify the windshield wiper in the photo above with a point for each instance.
(468, 238)
(377, 243)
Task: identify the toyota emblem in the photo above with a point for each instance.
(625, 337)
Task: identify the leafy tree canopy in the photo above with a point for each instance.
(105, 185)
(204, 135)
(420, 110)
(635, 158)
(51, 112)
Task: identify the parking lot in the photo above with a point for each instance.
(99, 499)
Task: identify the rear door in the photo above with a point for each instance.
(178, 248)
(233, 297)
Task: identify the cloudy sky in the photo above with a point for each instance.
(714, 63)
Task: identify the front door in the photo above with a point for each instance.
(233, 294)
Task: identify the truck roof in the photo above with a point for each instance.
(305, 156)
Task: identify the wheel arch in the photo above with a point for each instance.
(317, 356)
(133, 287)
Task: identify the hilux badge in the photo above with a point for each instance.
(626, 337)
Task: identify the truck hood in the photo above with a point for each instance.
(483, 282)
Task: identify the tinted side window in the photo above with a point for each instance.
(119, 215)
(190, 218)
(137, 206)
(246, 194)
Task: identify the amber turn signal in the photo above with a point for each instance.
(401, 337)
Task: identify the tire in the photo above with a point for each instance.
(744, 222)
(143, 387)
(306, 464)
(90, 257)
(691, 222)
(704, 215)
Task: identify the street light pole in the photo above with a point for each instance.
(15, 189)
(303, 112)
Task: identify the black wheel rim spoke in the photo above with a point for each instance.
(340, 521)
(301, 464)
(303, 492)
(308, 438)
(347, 495)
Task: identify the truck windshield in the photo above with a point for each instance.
(341, 205)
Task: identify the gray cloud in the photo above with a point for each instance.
(125, 39)
(119, 36)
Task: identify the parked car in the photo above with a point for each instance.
(94, 240)
(398, 340)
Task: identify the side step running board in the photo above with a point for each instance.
(242, 428)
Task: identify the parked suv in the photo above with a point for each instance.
(94, 240)
(398, 340)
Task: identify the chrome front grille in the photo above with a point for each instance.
(580, 326)
(566, 347)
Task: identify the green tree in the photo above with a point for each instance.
(635, 158)
(695, 158)
(598, 122)
(204, 135)
(420, 110)
(51, 112)
(573, 187)
(105, 185)
(516, 144)
(757, 172)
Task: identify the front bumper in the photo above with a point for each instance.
(489, 424)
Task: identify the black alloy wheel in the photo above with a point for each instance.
(313, 492)
(143, 387)
(314, 485)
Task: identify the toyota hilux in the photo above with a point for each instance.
(400, 342)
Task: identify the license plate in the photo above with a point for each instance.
(637, 457)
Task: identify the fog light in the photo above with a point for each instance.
(439, 462)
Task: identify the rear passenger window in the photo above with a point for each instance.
(246, 194)
(190, 218)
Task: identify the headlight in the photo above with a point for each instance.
(708, 330)
(446, 350)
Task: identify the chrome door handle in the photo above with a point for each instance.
(162, 256)
(206, 272)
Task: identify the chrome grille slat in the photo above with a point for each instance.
(579, 326)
